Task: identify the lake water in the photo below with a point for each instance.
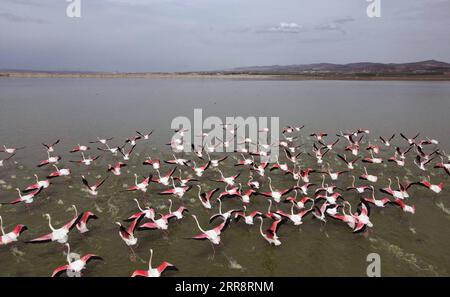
(33, 111)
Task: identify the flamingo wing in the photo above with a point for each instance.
(42, 239)
(58, 271)
(140, 273)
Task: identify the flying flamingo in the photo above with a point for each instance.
(154, 272)
(116, 169)
(80, 148)
(59, 172)
(82, 224)
(60, 235)
(51, 147)
(93, 190)
(213, 235)
(148, 213)
(205, 198)
(50, 160)
(44, 184)
(270, 235)
(7, 238)
(75, 267)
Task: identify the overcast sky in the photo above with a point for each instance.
(187, 35)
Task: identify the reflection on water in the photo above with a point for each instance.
(78, 110)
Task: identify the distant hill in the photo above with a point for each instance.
(430, 66)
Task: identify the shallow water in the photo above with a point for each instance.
(77, 110)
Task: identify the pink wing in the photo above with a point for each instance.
(45, 238)
(142, 273)
(59, 270)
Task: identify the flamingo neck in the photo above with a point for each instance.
(150, 261)
(1, 226)
(68, 254)
(50, 223)
(137, 202)
(260, 227)
(198, 225)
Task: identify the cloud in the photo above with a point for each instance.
(283, 27)
(9, 17)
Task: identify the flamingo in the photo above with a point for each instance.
(443, 165)
(272, 215)
(51, 147)
(44, 184)
(422, 163)
(245, 161)
(27, 199)
(249, 219)
(148, 213)
(410, 141)
(80, 148)
(254, 184)
(112, 150)
(184, 181)
(260, 169)
(179, 212)
(116, 169)
(435, 188)
(75, 267)
(406, 208)
(368, 177)
(399, 161)
(228, 180)
(213, 235)
(127, 235)
(334, 175)
(86, 161)
(178, 161)
(362, 217)
(82, 224)
(205, 198)
(201, 169)
(59, 172)
(176, 191)
(372, 159)
(275, 194)
(102, 140)
(319, 135)
(270, 235)
(154, 272)
(359, 189)
(350, 164)
(132, 140)
(234, 191)
(50, 160)
(224, 215)
(401, 154)
(60, 235)
(145, 136)
(387, 141)
(295, 218)
(163, 180)
(2, 162)
(216, 162)
(11, 150)
(126, 155)
(142, 186)
(13, 236)
(379, 203)
(301, 203)
(93, 190)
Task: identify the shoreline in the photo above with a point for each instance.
(233, 76)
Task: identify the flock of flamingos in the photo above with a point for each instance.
(251, 180)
